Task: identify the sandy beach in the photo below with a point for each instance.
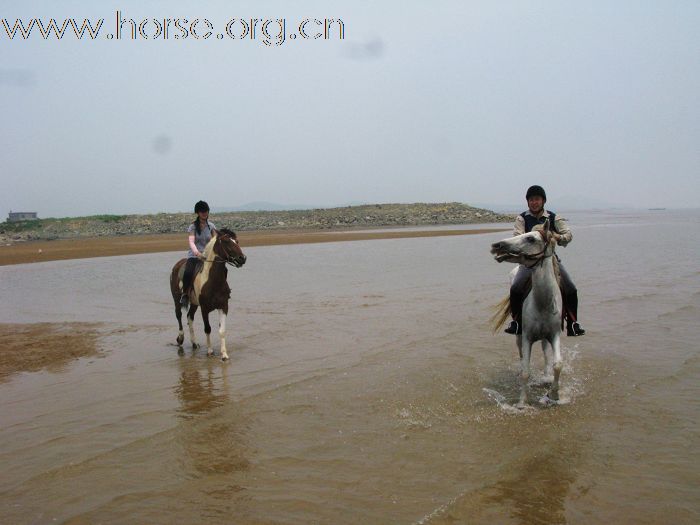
(44, 346)
(41, 251)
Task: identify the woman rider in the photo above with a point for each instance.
(199, 233)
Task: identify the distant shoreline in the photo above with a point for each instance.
(327, 219)
(88, 247)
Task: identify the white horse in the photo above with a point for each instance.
(542, 309)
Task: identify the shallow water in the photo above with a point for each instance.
(363, 386)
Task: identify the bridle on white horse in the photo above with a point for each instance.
(539, 256)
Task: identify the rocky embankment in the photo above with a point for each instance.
(368, 216)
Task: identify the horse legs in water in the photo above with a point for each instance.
(190, 324)
(178, 315)
(207, 330)
(222, 333)
(524, 346)
(558, 365)
(548, 357)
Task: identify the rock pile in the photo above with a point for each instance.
(367, 216)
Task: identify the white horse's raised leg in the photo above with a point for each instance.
(548, 362)
(222, 335)
(525, 349)
(558, 365)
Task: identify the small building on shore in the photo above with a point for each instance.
(15, 216)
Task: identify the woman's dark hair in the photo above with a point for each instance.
(200, 206)
(196, 225)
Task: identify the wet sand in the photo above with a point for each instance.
(40, 251)
(44, 346)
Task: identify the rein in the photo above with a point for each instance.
(219, 259)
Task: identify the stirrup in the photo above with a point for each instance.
(514, 328)
(574, 330)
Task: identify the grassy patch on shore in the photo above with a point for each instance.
(38, 224)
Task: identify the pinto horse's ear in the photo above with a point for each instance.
(546, 226)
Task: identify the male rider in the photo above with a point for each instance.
(524, 223)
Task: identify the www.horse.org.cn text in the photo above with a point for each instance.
(269, 31)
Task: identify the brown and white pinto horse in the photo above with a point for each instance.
(209, 290)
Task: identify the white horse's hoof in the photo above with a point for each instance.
(521, 406)
(546, 401)
(224, 358)
(210, 354)
(550, 398)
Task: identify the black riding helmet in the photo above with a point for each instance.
(536, 191)
(201, 206)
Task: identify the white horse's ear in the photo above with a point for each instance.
(546, 226)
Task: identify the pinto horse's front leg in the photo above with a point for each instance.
(222, 334)
(207, 330)
(190, 324)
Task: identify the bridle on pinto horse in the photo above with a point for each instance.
(227, 260)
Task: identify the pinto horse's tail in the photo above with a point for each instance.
(501, 314)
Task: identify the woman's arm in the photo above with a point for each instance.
(193, 247)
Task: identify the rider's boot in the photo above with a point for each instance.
(516, 308)
(573, 328)
(514, 328)
(184, 300)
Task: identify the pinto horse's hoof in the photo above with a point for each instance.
(180, 339)
(195, 346)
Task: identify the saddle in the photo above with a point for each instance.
(181, 272)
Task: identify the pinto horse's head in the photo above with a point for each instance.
(227, 248)
(526, 249)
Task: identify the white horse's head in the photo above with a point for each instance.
(526, 249)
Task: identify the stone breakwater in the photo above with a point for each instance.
(351, 217)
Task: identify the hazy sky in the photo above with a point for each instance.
(422, 101)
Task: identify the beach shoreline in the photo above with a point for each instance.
(88, 247)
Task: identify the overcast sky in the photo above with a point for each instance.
(422, 101)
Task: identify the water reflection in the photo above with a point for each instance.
(212, 432)
(198, 390)
(536, 492)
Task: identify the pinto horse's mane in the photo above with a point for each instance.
(222, 231)
(228, 233)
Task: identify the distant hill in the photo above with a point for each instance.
(264, 206)
(340, 218)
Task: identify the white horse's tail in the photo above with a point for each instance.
(501, 314)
